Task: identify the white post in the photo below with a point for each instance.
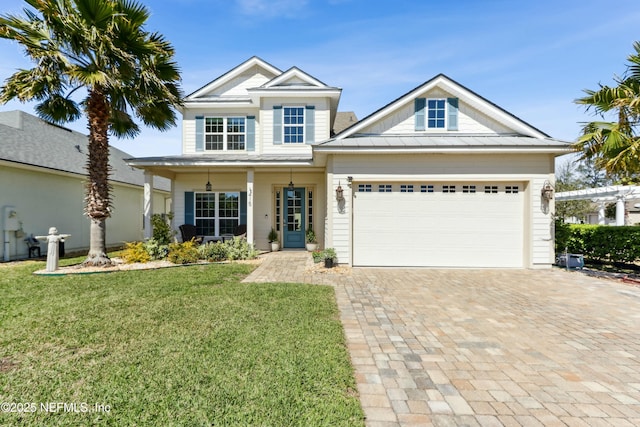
(601, 213)
(250, 234)
(148, 203)
(620, 210)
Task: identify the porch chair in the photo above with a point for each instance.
(188, 232)
(240, 231)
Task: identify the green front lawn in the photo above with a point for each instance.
(185, 346)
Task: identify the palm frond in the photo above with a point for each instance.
(58, 109)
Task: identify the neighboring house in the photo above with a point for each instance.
(440, 177)
(42, 180)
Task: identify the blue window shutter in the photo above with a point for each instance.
(277, 124)
(452, 111)
(243, 207)
(199, 133)
(189, 215)
(420, 106)
(310, 124)
(251, 133)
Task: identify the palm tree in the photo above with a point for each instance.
(614, 145)
(94, 58)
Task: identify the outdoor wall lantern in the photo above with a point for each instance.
(291, 187)
(208, 185)
(339, 193)
(547, 191)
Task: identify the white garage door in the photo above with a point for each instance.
(438, 224)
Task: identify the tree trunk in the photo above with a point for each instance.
(98, 201)
(97, 244)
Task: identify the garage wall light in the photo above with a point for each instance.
(339, 193)
(547, 191)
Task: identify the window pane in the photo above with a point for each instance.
(205, 227)
(436, 113)
(293, 124)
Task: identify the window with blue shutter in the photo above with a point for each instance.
(277, 124)
(243, 207)
(189, 217)
(310, 124)
(419, 105)
(199, 133)
(452, 104)
(251, 133)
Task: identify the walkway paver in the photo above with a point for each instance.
(484, 347)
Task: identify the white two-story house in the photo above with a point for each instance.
(440, 177)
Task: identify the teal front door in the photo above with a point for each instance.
(294, 225)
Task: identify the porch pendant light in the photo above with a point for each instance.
(291, 187)
(208, 185)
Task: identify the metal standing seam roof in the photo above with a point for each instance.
(443, 141)
(29, 140)
(210, 158)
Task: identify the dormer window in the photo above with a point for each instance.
(224, 133)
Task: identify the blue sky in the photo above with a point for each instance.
(532, 58)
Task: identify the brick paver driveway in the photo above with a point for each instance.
(489, 347)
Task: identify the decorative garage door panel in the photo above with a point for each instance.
(438, 225)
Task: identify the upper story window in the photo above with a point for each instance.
(436, 113)
(224, 133)
(439, 114)
(293, 125)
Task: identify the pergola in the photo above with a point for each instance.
(603, 195)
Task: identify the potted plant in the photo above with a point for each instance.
(311, 241)
(273, 239)
(330, 257)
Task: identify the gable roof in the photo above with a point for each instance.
(28, 140)
(456, 89)
(231, 74)
(292, 74)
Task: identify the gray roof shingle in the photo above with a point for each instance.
(29, 140)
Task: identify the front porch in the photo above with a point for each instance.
(288, 199)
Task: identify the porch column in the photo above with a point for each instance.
(147, 204)
(601, 213)
(250, 177)
(619, 210)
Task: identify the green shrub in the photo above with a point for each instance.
(217, 251)
(135, 252)
(238, 248)
(184, 253)
(156, 250)
(317, 255)
(600, 242)
(329, 253)
(162, 232)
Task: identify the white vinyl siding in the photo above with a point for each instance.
(321, 131)
(525, 171)
(470, 120)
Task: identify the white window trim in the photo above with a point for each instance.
(225, 142)
(446, 115)
(216, 204)
(303, 125)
